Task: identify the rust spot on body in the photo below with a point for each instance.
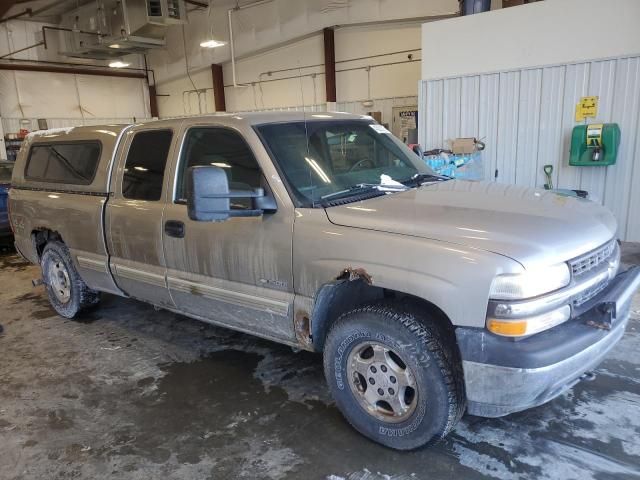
(352, 274)
(302, 326)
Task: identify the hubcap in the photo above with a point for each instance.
(382, 382)
(58, 278)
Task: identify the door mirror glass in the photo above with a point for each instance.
(209, 196)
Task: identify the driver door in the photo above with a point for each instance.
(236, 273)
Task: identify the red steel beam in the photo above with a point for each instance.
(72, 70)
(329, 64)
(218, 88)
(6, 6)
(153, 101)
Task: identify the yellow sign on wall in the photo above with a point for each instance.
(586, 107)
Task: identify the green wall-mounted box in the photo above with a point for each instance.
(594, 145)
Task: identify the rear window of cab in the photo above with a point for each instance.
(73, 163)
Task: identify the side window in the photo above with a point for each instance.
(71, 163)
(222, 148)
(146, 163)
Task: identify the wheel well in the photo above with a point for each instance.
(340, 296)
(41, 237)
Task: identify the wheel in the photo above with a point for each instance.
(68, 294)
(393, 376)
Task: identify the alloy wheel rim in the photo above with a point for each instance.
(382, 383)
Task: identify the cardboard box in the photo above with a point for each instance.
(463, 145)
(377, 116)
(512, 3)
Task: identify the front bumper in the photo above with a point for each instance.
(503, 375)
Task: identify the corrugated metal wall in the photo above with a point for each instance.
(525, 117)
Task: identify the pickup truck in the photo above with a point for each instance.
(428, 297)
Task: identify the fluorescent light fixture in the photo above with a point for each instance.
(115, 45)
(141, 169)
(118, 64)
(212, 43)
(318, 169)
(221, 165)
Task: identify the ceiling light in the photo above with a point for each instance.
(212, 43)
(318, 169)
(115, 45)
(118, 64)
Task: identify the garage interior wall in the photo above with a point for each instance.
(279, 47)
(31, 95)
(523, 105)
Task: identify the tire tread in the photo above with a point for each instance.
(430, 337)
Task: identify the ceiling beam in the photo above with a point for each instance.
(72, 70)
(6, 6)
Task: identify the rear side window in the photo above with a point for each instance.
(71, 163)
(146, 164)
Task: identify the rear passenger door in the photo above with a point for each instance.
(134, 214)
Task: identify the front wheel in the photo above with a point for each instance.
(393, 376)
(68, 294)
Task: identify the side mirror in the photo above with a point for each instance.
(208, 196)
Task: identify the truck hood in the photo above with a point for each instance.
(529, 225)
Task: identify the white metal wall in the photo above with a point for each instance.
(526, 116)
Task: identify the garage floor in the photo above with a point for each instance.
(129, 392)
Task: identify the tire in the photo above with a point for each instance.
(68, 294)
(388, 336)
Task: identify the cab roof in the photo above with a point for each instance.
(112, 131)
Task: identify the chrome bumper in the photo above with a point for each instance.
(503, 376)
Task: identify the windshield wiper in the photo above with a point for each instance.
(364, 187)
(421, 178)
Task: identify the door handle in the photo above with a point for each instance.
(174, 228)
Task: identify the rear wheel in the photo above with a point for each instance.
(68, 294)
(393, 376)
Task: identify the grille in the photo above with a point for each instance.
(591, 260)
(603, 259)
(589, 293)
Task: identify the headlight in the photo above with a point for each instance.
(530, 325)
(516, 286)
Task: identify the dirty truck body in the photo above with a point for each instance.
(429, 297)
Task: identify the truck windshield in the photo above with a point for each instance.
(326, 160)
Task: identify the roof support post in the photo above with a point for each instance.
(330, 66)
(218, 88)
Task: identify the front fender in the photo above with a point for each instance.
(454, 278)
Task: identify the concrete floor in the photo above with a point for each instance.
(128, 392)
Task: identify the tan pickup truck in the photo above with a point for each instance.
(428, 297)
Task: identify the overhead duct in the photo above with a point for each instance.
(112, 28)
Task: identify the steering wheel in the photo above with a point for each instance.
(357, 164)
